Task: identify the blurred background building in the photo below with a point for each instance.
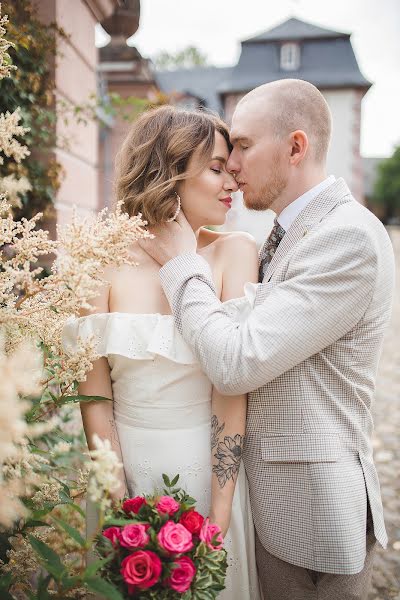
(293, 49)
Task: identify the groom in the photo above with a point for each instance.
(308, 353)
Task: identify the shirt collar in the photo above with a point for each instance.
(289, 214)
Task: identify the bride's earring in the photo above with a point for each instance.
(178, 209)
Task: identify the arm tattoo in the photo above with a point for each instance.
(215, 431)
(114, 434)
(228, 453)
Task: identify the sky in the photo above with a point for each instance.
(216, 27)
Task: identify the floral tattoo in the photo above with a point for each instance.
(228, 454)
(216, 429)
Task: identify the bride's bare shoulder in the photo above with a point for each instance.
(238, 256)
(235, 241)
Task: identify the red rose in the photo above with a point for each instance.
(208, 531)
(134, 536)
(141, 569)
(182, 574)
(112, 533)
(167, 505)
(192, 520)
(133, 504)
(175, 538)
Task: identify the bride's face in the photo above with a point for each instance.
(206, 196)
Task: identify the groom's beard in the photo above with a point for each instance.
(272, 189)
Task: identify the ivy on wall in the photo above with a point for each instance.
(32, 89)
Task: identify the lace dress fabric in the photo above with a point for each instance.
(162, 409)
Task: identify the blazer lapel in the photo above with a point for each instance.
(313, 213)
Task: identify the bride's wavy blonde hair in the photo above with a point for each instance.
(155, 155)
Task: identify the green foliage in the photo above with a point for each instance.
(183, 59)
(32, 89)
(387, 186)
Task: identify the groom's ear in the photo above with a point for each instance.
(299, 146)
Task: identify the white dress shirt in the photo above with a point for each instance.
(289, 213)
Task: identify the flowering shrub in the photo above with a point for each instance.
(160, 547)
(44, 465)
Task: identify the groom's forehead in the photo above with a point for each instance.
(245, 123)
(241, 132)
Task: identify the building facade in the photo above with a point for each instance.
(293, 49)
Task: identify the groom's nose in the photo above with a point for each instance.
(232, 165)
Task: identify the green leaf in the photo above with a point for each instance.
(34, 523)
(106, 589)
(51, 560)
(80, 398)
(166, 480)
(5, 582)
(92, 569)
(111, 522)
(42, 593)
(72, 532)
(175, 481)
(77, 508)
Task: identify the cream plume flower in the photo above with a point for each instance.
(104, 472)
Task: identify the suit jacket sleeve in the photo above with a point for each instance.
(328, 286)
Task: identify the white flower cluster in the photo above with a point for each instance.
(9, 128)
(12, 187)
(5, 69)
(14, 382)
(103, 479)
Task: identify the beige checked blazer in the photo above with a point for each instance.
(308, 356)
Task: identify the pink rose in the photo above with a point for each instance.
(208, 531)
(133, 504)
(134, 536)
(175, 538)
(167, 505)
(141, 569)
(182, 574)
(112, 533)
(192, 520)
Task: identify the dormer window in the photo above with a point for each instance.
(290, 56)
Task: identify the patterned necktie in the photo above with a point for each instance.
(269, 248)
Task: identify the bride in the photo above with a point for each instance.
(164, 411)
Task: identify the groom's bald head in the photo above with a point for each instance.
(288, 105)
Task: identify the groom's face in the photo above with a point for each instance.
(258, 159)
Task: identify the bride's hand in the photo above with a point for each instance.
(171, 240)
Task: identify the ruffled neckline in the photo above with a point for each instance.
(132, 335)
(143, 336)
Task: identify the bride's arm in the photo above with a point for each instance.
(239, 261)
(98, 417)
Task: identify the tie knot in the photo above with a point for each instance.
(277, 231)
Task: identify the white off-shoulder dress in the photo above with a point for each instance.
(162, 409)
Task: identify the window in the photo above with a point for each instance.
(290, 57)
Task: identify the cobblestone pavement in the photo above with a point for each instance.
(386, 578)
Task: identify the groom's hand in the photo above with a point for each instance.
(170, 240)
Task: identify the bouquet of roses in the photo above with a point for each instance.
(160, 547)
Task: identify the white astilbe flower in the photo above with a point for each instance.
(48, 493)
(9, 128)
(22, 562)
(103, 479)
(69, 368)
(14, 382)
(5, 69)
(38, 308)
(12, 187)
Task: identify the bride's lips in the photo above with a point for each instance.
(227, 201)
